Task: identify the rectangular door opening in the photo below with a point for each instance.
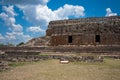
(70, 39)
(97, 38)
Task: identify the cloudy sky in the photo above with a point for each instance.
(22, 20)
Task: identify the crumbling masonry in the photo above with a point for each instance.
(85, 31)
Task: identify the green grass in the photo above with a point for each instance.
(112, 63)
(108, 62)
(43, 54)
(53, 70)
(16, 64)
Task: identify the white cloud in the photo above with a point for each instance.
(24, 2)
(110, 13)
(35, 29)
(17, 27)
(15, 34)
(16, 37)
(10, 37)
(1, 37)
(70, 10)
(9, 10)
(40, 15)
(8, 16)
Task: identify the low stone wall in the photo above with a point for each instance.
(24, 58)
(65, 48)
(87, 49)
(4, 58)
(4, 65)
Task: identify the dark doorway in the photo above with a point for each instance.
(70, 39)
(97, 38)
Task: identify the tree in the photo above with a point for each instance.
(2, 45)
(20, 44)
(6, 45)
(9, 45)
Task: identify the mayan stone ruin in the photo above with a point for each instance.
(67, 39)
(85, 31)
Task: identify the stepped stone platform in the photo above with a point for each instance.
(83, 40)
(108, 50)
(99, 36)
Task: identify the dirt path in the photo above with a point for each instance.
(53, 70)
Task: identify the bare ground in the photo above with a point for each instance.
(53, 70)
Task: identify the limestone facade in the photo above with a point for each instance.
(85, 31)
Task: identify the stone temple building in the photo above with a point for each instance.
(85, 31)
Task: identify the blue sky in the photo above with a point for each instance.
(22, 20)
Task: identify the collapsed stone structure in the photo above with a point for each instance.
(85, 31)
(36, 42)
(99, 36)
(17, 55)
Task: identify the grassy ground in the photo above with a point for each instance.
(53, 70)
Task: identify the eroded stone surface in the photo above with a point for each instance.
(85, 31)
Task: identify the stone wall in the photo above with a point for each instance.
(4, 65)
(24, 58)
(85, 31)
(63, 48)
(38, 42)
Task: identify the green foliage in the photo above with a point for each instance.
(10, 44)
(2, 45)
(20, 44)
(6, 45)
